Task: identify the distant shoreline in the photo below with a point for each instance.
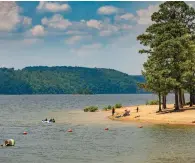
(147, 115)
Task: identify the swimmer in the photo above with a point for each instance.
(9, 142)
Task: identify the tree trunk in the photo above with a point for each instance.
(176, 100)
(159, 97)
(164, 102)
(180, 98)
(183, 98)
(191, 99)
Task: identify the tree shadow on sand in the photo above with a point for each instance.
(172, 110)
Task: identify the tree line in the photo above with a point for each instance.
(170, 45)
(67, 80)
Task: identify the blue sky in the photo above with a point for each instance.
(89, 34)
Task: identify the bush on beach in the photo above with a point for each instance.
(109, 107)
(91, 109)
(152, 102)
(118, 105)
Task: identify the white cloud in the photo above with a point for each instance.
(26, 21)
(38, 30)
(73, 39)
(94, 24)
(56, 22)
(127, 16)
(144, 15)
(107, 10)
(9, 16)
(52, 7)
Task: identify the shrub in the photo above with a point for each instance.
(118, 105)
(91, 109)
(187, 103)
(109, 107)
(152, 102)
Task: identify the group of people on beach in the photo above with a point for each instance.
(127, 112)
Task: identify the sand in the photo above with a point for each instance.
(147, 114)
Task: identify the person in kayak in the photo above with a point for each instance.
(52, 120)
(9, 142)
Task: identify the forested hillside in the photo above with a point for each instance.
(67, 80)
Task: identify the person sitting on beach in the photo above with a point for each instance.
(53, 120)
(9, 142)
(127, 113)
(45, 119)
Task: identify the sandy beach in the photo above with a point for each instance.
(147, 114)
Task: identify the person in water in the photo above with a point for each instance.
(52, 120)
(113, 111)
(9, 142)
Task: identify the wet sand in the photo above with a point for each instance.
(147, 114)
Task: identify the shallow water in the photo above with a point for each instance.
(88, 142)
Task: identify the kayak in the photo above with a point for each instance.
(46, 121)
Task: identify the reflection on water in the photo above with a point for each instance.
(89, 142)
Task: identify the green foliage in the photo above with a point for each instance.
(66, 80)
(118, 106)
(170, 49)
(152, 102)
(91, 109)
(109, 107)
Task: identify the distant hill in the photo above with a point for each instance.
(67, 80)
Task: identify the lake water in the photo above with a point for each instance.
(89, 142)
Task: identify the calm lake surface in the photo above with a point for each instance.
(89, 142)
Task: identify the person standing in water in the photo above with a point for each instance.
(113, 111)
(9, 142)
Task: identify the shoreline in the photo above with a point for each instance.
(147, 115)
